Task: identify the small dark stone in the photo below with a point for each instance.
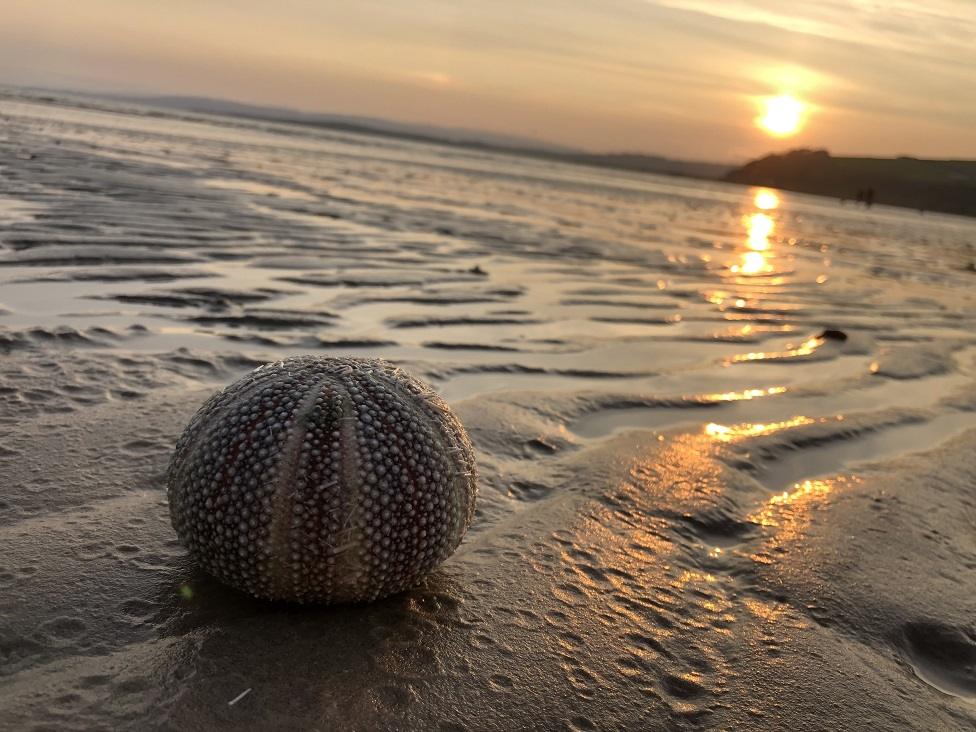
(833, 335)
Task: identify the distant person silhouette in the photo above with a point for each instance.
(869, 197)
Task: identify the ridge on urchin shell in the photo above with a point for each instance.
(322, 480)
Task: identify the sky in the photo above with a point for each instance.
(680, 78)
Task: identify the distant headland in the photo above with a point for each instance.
(946, 186)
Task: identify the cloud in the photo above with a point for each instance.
(676, 77)
(894, 24)
(437, 79)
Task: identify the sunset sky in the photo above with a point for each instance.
(681, 78)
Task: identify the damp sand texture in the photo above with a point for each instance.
(726, 441)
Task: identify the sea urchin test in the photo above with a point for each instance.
(322, 480)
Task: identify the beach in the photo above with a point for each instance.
(726, 436)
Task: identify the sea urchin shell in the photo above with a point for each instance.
(322, 480)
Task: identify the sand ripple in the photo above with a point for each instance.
(727, 476)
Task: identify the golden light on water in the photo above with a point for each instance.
(808, 347)
(792, 508)
(800, 491)
(781, 116)
(760, 226)
(766, 199)
(752, 263)
(738, 396)
(729, 433)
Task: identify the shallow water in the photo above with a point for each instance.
(665, 379)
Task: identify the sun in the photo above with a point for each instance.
(781, 116)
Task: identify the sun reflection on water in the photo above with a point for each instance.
(807, 348)
(759, 229)
(766, 199)
(728, 433)
(790, 507)
(760, 226)
(752, 263)
(800, 491)
(737, 396)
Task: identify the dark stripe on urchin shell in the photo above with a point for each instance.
(350, 567)
(318, 507)
(360, 480)
(284, 571)
(433, 426)
(226, 476)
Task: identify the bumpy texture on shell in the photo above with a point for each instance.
(322, 480)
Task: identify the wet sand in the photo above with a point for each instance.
(726, 438)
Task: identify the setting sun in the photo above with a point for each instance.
(781, 116)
